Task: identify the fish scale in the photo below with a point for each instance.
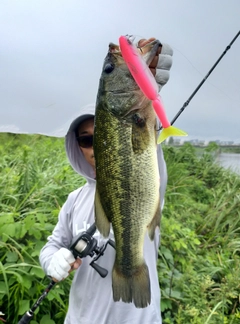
(127, 179)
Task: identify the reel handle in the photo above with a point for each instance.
(103, 272)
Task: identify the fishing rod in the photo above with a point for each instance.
(82, 245)
(204, 79)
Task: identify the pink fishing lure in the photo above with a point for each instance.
(147, 83)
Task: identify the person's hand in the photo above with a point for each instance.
(161, 63)
(61, 264)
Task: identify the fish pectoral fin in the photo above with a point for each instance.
(155, 222)
(170, 131)
(101, 220)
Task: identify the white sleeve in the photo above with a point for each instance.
(61, 236)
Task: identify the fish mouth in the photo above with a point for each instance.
(113, 48)
(147, 51)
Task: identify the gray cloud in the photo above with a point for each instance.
(51, 55)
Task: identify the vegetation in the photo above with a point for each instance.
(199, 254)
(198, 266)
(234, 148)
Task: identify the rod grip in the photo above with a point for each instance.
(26, 318)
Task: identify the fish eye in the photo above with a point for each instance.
(109, 67)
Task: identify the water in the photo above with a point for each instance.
(229, 161)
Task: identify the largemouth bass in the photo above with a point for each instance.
(127, 187)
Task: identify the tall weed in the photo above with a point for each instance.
(198, 264)
(199, 253)
(35, 181)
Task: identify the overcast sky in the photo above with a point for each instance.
(51, 55)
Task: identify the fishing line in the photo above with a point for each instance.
(201, 74)
(187, 59)
(204, 79)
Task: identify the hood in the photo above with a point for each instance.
(74, 154)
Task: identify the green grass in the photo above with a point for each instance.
(198, 266)
(199, 255)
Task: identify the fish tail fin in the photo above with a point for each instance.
(141, 288)
(170, 131)
(121, 286)
(135, 288)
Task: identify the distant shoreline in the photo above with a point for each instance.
(220, 148)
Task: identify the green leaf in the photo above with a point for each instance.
(12, 257)
(37, 249)
(35, 232)
(27, 282)
(3, 289)
(51, 295)
(167, 254)
(38, 272)
(46, 320)
(55, 294)
(42, 218)
(23, 306)
(8, 229)
(20, 230)
(6, 219)
(29, 221)
(173, 293)
(165, 304)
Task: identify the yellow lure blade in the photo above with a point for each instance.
(170, 131)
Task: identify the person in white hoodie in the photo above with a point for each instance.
(91, 300)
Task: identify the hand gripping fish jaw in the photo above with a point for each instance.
(85, 244)
(82, 245)
(144, 78)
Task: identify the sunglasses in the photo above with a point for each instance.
(85, 141)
